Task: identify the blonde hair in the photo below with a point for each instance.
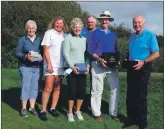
(51, 24)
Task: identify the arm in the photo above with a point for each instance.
(19, 50)
(117, 50)
(154, 48)
(87, 58)
(46, 44)
(47, 58)
(152, 57)
(66, 50)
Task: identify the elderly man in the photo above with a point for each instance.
(143, 49)
(104, 41)
(87, 32)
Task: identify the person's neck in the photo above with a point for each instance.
(91, 29)
(105, 28)
(60, 32)
(31, 36)
(139, 32)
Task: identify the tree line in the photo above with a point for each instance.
(14, 15)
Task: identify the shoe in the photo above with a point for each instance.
(79, 116)
(33, 111)
(70, 117)
(54, 113)
(24, 113)
(99, 118)
(142, 127)
(43, 116)
(115, 118)
(129, 122)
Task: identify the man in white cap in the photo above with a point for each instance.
(104, 41)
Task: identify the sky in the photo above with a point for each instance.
(123, 12)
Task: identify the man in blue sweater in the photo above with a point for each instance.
(87, 32)
(104, 41)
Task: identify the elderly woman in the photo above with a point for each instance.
(53, 64)
(74, 49)
(29, 66)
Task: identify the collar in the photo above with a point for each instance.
(57, 32)
(106, 32)
(73, 35)
(90, 31)
(140, 33)
(27, 37)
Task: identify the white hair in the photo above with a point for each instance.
(93, 17)
(76, 21)
(30, 22)
(143, 19)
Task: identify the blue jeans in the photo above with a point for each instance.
(29, 82)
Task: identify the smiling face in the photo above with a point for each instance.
(91, 23)
(104, 22)
(138, 23)
(77, 29)
(58, 25)
(31, 29)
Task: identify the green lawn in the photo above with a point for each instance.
(11, 105)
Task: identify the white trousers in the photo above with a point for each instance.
(98, 75)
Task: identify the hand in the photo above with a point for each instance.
(118, 64)
(102, 62)
(87, 70)
(139, 65)
(29, 57)
(50, 68)
(75, 69)
(40, 59)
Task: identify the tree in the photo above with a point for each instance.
(15, 14)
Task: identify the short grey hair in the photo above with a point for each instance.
(76, 21)
(143, 19)
(30, 22)
(92, 16)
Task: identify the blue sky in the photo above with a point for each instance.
(123, 12)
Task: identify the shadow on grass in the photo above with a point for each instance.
(12, 98)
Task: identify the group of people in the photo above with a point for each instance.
(86, 45)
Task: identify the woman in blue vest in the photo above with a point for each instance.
(27, 51)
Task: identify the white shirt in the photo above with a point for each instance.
(32, 39)
(54, 41)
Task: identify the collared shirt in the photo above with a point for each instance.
(24, 46)
(88, 35)
(32, 39)
(102, 41)
(141, 46)
(54, 41)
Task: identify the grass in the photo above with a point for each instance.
(11, 106)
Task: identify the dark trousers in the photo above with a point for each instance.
(137, 81)
(76, 86)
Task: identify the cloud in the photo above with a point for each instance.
(123, 12)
